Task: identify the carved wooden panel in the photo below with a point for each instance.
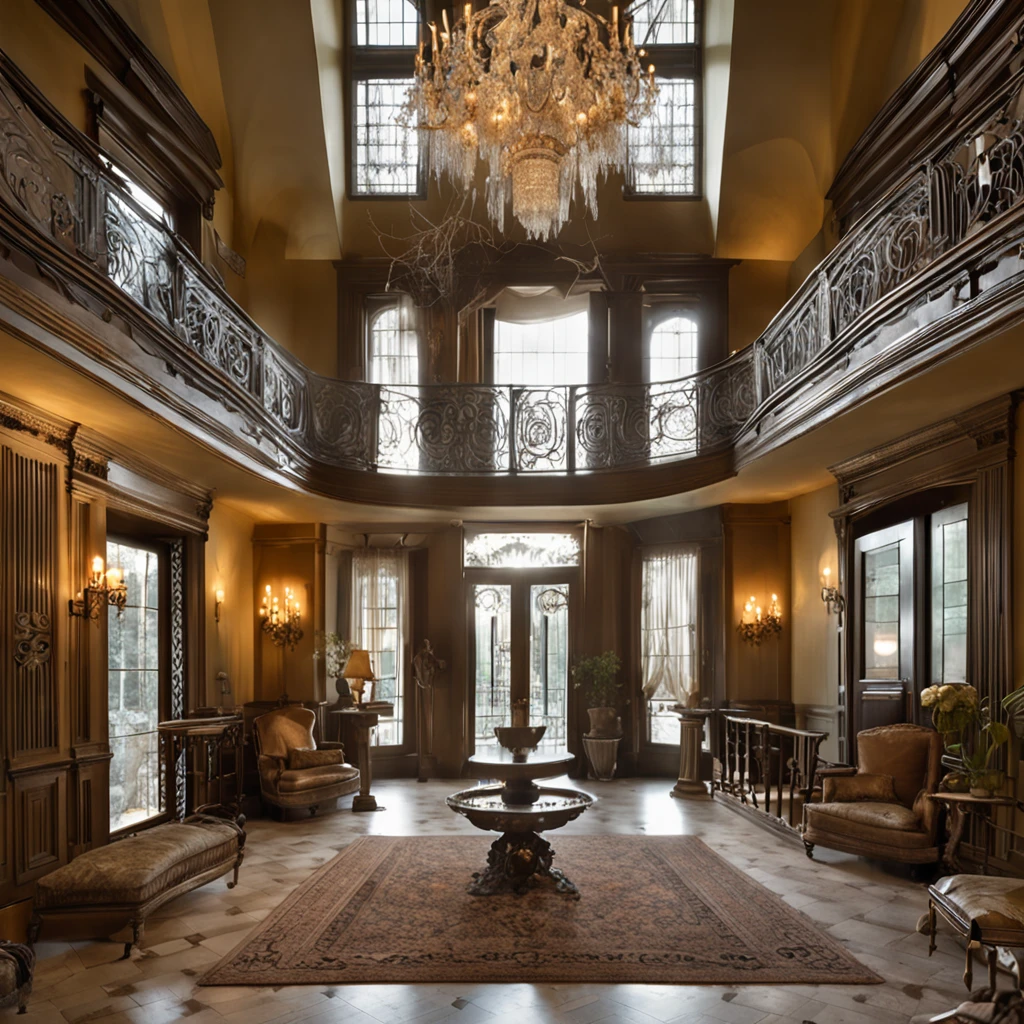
(29, 511)
(79, 633)
(40, 829)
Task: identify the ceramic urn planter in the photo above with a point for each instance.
(602, 742)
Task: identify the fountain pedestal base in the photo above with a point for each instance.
(514, 862)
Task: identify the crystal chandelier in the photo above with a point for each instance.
(543, 92)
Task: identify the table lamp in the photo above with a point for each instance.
(358, 672)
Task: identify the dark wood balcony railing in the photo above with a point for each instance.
(945, 230)
(768, 768)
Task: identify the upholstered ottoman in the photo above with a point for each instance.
(123, 883)
(988, 912)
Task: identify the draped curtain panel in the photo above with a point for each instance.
(668, 625)
(378, 616)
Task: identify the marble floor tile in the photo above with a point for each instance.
(871, 911)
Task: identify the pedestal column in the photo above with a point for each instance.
(691, 741)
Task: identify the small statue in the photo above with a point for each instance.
(425, 666)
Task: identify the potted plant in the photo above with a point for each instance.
(1013, 705)
(977, 756)
(597, 676)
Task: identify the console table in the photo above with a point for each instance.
(355, 724)
(960, 806)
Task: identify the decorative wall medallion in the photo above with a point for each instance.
(32, 639)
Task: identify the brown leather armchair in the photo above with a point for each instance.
(278, 735)
(863, 812)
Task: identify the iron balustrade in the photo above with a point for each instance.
(768, 767)
(61, 189)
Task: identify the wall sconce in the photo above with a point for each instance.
(103, 588)
(218, 600)
(763, 624)
(281, 624)
(834, 601)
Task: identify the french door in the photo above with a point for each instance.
(885, 658)
(519, 636)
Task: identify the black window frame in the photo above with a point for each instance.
(678, 61)
(364, 63)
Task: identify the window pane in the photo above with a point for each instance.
(387, 153)
(394, 348)
(662, 148)
(492, 632)
(386, 23)
(522, 550)
(668, 624)
(882, 613)
(658, 22)
(949, 595)
(549, 352)
(133, 695)
(549, 658)
(143, 197)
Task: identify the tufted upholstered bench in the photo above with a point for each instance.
(121, 884)
(987, 911)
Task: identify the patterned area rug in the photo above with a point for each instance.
(660, 910)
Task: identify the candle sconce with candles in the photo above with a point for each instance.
(281, 624)
(834, 601)
(102, 588)
(757, 624)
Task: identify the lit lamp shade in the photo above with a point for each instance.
(358, 669)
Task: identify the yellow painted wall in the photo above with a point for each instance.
(229, 643)
(813, 632)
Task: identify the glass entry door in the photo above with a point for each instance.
(885, 680)
(520, 635)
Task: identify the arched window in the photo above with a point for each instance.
(393, 348)
(672, 349)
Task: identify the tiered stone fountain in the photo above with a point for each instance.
(519, 809)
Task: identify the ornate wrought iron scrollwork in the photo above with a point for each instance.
(880, 257)
(793, 344)
(342, 416)
(33, 639)
(140, 257)
(223, 339)
(541, 419)
(727, 399)
(612, 425)
(443, 429)
(283, 390)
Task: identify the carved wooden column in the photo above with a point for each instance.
(625, 322)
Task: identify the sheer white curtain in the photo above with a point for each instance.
(378, 625)
(668, 624)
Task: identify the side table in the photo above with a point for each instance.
(960, 806)
(356, 724)
(690, 786)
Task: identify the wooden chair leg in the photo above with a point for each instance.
(136, 939)
(932, 926)
(972, 945)
(809, 850)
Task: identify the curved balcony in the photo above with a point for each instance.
(936, 255)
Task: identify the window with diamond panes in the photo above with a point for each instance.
(385, 154)
(664, 150)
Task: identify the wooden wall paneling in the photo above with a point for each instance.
(31, 510)
(757, 562)
(40, 822)
(196, 684)
(448, 628)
